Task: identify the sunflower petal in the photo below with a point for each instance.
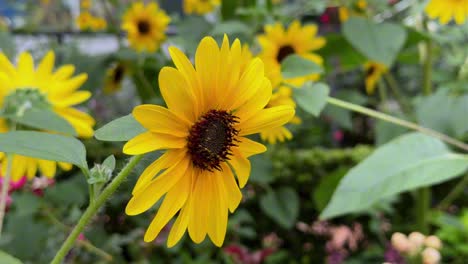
(217, 222)
(233, 194)
(159, 119)
(149, 141)
(201, 206)
(241, 166)
(267, 118)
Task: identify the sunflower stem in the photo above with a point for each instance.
(4, 194)
(397, 121)
(90, 186)
(93, 208)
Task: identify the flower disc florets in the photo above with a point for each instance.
(283, 52)
(211, 138)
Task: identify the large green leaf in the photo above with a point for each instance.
(44, 119)
(281, 205)
(8, 259)
(296, 66)
(378, 42)
(120, 129)
(338, 47)
(44, 146)
(312, 97)
(406, 163)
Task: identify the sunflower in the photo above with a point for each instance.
(41, 86)
(200, 7)
(373, 73)
(85, 4)
(210, 110)
(283, 96)
(84, 20)
(278, 43)
(145, 26)
(358, 8)
(445, 10)
(114, 78)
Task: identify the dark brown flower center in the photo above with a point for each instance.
(143, 27)
(211, 139)
(118, 73)
(283, 52)
(371, 70)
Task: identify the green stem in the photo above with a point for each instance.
(4, 194)
(454, 194)
(93, 208)
(90, 187)
(397, 121)
(427, 67)
(92, 248)
(423, 204)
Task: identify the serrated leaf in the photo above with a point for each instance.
(281, 205)
(406, 163)
(120, 129)
(378, 42)
(296, 66)
(44, 119)
(312, 97)
(44, 146)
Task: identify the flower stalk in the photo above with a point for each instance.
(93, 208)
(4, 194)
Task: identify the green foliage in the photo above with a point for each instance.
(282, 205)
(406, 163)
(120, 129)
(312, 97)
(378, 42)
(43, 119)
(51, 147)
(296, 66)
(8, 259)
(453, 231)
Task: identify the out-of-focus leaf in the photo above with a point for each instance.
(26, 203)
(43, 119)
(312, 97)
(378, 42)
(338, 47)
(406, 163)
(8, 259)
(295, 66)
(324, 190)
(120, 129)
(281, 205)
(7, 44)
(261, 171)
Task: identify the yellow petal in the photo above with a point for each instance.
(173, 201)
(148, 141)
(217, 221)
(267, 118)
(207, 66)
(147, 197)
(71, 85)
(64, 72)
(47, 167)
(159, 119)
(81, 122)
(70, 100)
(241, 166)
(201, 201)
(249, 147)
(233, 194)
(46, 66)
(26, 66)
(257, 103)
(180, 225)
(249, 83)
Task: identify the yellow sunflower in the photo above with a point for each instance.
(278, 43)
(114, 78)
(145, 26)
(358, 8)
(98, 24)
(445, 10)
(200, 7)
(210, 110)
(373, 73)
(48, 88)
(85, 4)
(84, 20)
(283, 96)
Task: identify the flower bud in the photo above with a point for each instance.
(416, 239)
(433, 242)
(400, 242)
(430, 256)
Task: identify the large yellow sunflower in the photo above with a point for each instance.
(283, 96)
(145, 26)
(200, 7)
(373, 73)
(53, 89)
(210, 110)
(445, 10)
(278, 43)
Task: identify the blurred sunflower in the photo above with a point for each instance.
(98, 24)
(211, 110)
(42, 87)
(278, 43)
(84, 20)
(200, 7)
(445, 10)
(145, 26)
(373, 73)
(283, 96)
(114, 78)
(85, 4)
(358, 8)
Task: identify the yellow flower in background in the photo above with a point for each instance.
(283, 96)
(84, 20)
(277, 43)
(56, 90)
(145, 26)
(358, 8)
(114, 78)
(373, 73)
(98, 24)
(446, 10)
(85, 4)
(200, 7)
(210, 110)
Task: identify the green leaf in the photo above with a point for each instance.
(261, 171)
(44, 119)
(7, 45)
(230, 28)
(296, 66)
(109, 162)
(324, 191)
(312, 97)
(26, 203)
(281, 205)
(406, 163)
(120, 129)
(338, 47)
(5, 258)
(44, 146)
(378, 42)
